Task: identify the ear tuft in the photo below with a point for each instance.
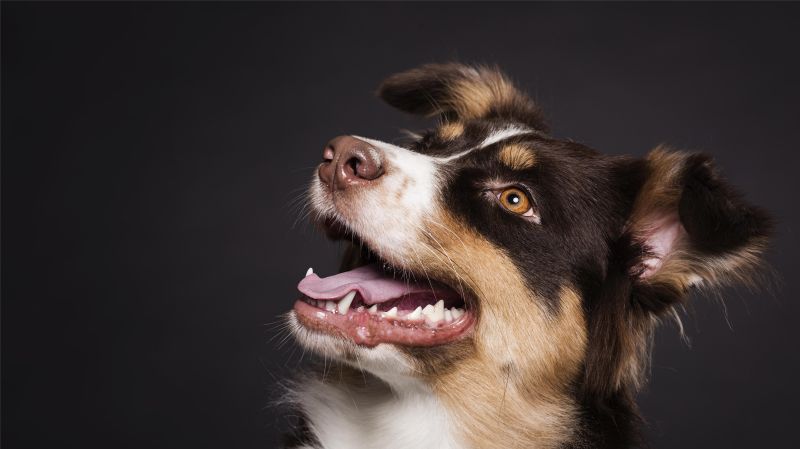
(456, 91)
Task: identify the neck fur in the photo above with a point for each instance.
(347, 408)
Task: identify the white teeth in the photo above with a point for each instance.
(435, 315)
(310, 271)
(415, 315)
(344, 304)
(428, 310)
(392, 313)
(438, 311)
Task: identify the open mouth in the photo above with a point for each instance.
(373, 304)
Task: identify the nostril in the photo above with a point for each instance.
(353, 164)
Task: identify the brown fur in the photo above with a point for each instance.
(517, 157)
(659, 196)
(474, 95)
(559, 367)
(537, 353)
(451, 130)
(461, 92)
(633, 326)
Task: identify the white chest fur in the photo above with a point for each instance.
(371, 415)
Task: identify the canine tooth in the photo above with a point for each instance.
(392, 313)
(344, 304)
(330, 306)
(415, 315)
(448, 315)
(457, 313)
(428, 310)
(310, 271)
(374, 309)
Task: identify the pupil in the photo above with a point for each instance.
(514, 199)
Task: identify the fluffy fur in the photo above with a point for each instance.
(565, 305)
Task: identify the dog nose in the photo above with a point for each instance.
(348, 161)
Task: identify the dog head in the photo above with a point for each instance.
(495, 262)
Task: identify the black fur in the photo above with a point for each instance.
(715, 215)
(585, 201)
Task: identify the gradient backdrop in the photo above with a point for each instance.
(151, 153)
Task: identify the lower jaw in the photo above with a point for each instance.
(369, 330)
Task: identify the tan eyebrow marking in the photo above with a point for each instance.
(517, 157)
(451, 130)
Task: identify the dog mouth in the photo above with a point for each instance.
(375, 303)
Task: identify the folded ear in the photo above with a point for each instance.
(686, 228)
(691, 228)
(460, 92)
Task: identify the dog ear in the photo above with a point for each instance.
(687, 227)
(691, 229)
(460, 92)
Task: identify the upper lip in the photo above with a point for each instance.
(335, 229)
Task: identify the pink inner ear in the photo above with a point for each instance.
(660, 236)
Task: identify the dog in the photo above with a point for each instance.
(501, 286)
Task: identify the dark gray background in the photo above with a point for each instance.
(151, 153)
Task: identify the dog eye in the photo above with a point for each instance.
(515, 200)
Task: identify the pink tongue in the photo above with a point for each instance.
(373, 285)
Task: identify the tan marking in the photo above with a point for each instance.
(479, 91)
(474, 96)
(517, 157)
(521, 359)
(451, 130)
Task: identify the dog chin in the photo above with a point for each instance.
(384, 360)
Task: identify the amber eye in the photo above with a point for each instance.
(515, 200)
